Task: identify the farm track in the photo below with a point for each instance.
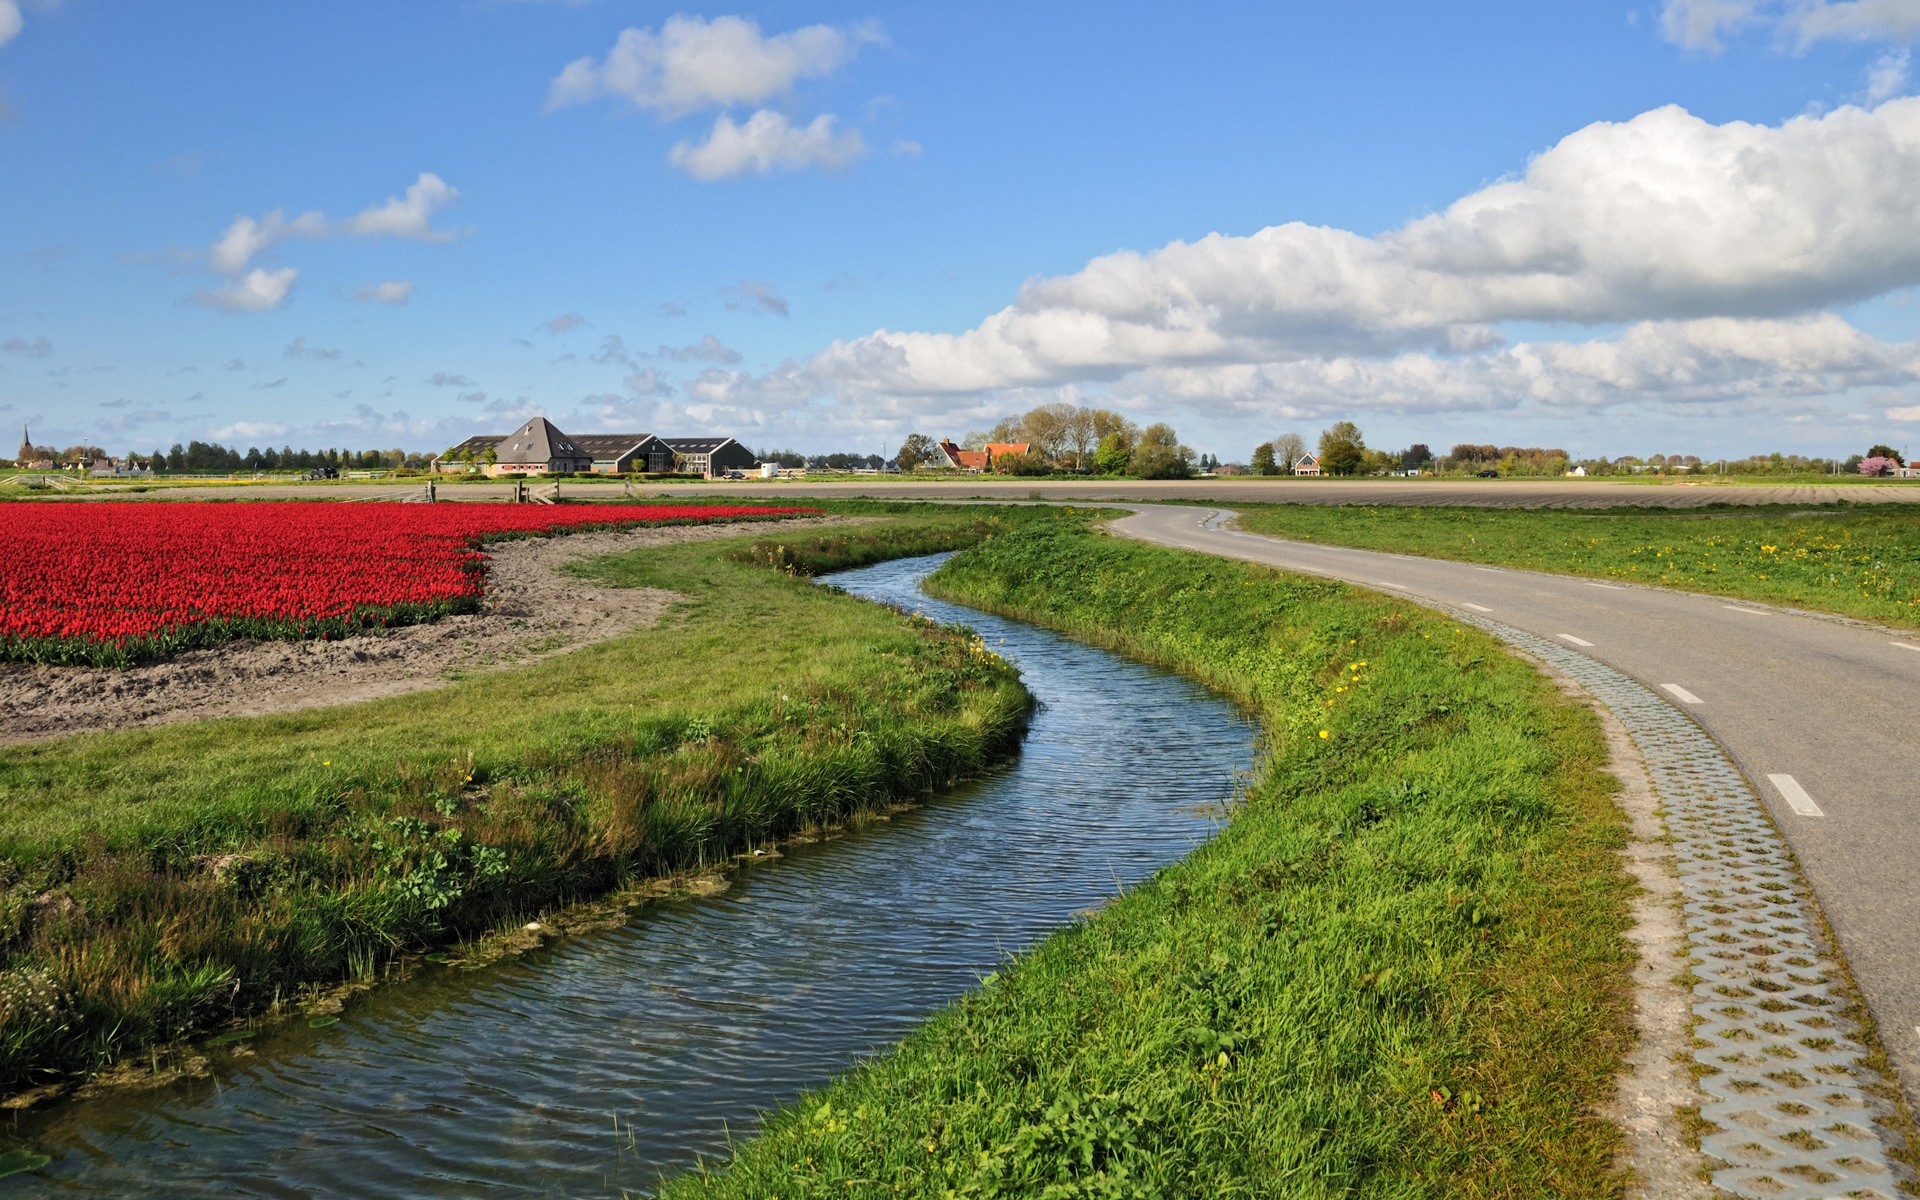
(1499, 493)
(531, 611)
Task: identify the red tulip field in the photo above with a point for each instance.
(112, 584)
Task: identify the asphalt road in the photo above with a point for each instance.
(1497, 493)
(1822, 714)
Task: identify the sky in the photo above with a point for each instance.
(1687, 226)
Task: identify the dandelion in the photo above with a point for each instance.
(1323, 734)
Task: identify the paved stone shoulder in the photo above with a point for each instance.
(1797, 1112)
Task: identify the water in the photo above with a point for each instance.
(610, 1060)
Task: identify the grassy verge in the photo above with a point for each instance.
(1861, 562)
(166, 881)
(1398, 971)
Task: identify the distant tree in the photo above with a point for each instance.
(1113, 453)
(1262, 463)
(1887, 452)
(977, 439)
(917, 451)
(1416, 457)
(1343, 450)
(1159, 454)
(1288, 450)
(1878, 464)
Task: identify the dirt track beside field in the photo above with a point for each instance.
(532, 611)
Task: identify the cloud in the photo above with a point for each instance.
(122, 402)
(393, 291)
(10, 20)
(648, 382)
(249, 431)
(410, 215)
(271, 384)
(768, 142)
(39, 347)
(613, 349)
(707, 349)
(1701, 24)
(756, 297)
(907, 148)
(669, 309)
(1904, 414)
(236, 364)
(444, 379)
(1887, 77)
(565, 321)
(1658, 218)
(298, 348)
(472, 397)
(256, 290)
(248, 236)
(692, 63)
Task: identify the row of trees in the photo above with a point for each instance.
(1070, 439)
(1341, 450)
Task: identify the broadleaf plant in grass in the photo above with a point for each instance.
(1398, 971)
(161, 883)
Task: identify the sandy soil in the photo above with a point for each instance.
(531, 612)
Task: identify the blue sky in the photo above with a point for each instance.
(825, 226)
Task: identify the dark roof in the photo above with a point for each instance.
(699, 445)
(476, 444)
(538, 441)
(612, 445)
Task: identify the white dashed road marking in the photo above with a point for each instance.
(1795, 795)
(1476, 607)
(1612, 587)
(1490, 570)
(1758, 612)
(1681, 692)
(1570, 638)
(1907, 646)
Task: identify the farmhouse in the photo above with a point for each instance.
(710, 456)
(540, 448)
(618, 453)
(981, 459)
(1308, 465)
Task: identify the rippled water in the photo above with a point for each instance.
(609, 1060)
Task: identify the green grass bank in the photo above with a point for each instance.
(1857, 561)
(1398, 971)
(164, 882)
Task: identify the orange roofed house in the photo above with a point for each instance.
(982, 459)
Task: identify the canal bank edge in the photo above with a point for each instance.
(1438, 882)
(517, 772)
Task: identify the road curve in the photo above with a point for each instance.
(1822, 714)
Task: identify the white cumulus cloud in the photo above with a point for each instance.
(691, 63)
(1701, 24)
(10, 21)
(255, 291)
(409, 215)
(1662, 217)
(248, 236)
(392, 291)
(768, 142)
(1888, 77)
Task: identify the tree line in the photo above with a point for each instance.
(1069, 439)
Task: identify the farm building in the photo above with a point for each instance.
(1308, 465)
(710, 456)
(619, 453)
(981, 459)
(520, 453)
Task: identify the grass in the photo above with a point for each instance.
(1398, 971)
(1858, 561)
(159, 883)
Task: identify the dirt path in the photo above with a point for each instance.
(531, 611)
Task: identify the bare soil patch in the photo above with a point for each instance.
(532, 611)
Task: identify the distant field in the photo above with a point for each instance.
(1861, 562)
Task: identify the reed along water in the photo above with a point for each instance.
(604, 1062)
